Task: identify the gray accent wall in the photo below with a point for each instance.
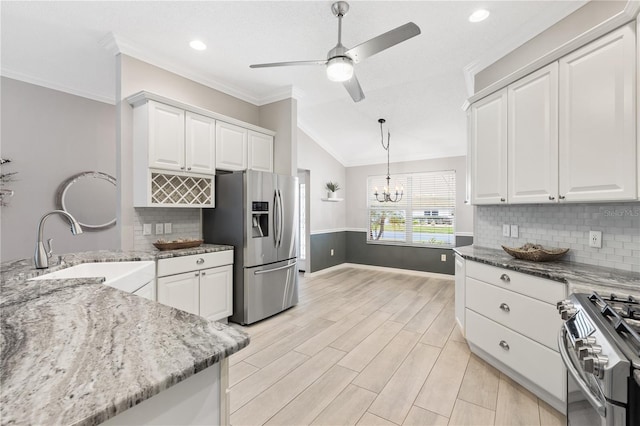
(321, 245)
(49, 136)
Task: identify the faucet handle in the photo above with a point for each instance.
(50, 245)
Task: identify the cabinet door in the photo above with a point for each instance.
(180, 291)
(598, 120)
(460, 290)
(215, 292)
(533, 137)
(260, 152)
(231, 147)
(166, 136)
(200, 147)
(489, 149)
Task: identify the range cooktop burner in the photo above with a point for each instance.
(623, 314)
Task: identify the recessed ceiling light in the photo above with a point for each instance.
(197, 45)
(479, 15)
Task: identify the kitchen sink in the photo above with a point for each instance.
(126, 276)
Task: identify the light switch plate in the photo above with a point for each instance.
(443, 258)
(514, 231)
(159, 229)
(167, 228)
(506, 230)
(146, 229)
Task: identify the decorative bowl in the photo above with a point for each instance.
(535, 252)
(175, 245)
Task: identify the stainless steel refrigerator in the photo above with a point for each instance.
(257, 213)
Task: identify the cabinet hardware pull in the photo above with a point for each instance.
(203, 273)
(561, 197)
(188, 168)
(197, 274)
(504, 345)
(181, 167)
(200, 261)
(502, 200)
(505, 307)
(505, 278)
(551, 197)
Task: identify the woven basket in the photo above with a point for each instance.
(535, 253)
(175, 245)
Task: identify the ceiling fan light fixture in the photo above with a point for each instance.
(339, 69)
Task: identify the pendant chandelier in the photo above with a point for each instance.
(386, 196)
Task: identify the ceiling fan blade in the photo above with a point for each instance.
(383, 41)
(291, 63)
(353, 87)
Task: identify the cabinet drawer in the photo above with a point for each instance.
(539, 288)
(515, 311)
(178, 265)
(536, 362)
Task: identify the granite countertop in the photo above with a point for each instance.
(77, 352)
(579, 277)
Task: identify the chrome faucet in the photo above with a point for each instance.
(42, 256)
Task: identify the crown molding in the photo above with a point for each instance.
(628, 14)
(116, 44)
(26, 78)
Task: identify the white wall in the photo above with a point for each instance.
(282, 118)
(324, 215)
(356, 195)
(50, 136)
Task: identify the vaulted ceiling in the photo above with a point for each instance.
(418, 86)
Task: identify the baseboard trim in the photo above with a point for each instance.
(379, 269)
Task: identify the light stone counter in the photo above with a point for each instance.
(578, 276)
(77, 352)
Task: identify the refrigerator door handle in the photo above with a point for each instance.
(281, 217)
(276, 220)
(266, 271)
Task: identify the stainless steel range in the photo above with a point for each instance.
(600, 346)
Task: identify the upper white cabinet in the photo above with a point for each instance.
(564, 133)
(231, 146)
(165, 135)
(598, 120)
(488, 127)
(260, 155)
(533, 137)
(200, 146)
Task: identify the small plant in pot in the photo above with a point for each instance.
(332, 187)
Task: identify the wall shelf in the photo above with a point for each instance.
(335, 200)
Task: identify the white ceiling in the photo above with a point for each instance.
(417, 86)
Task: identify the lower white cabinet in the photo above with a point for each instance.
(460, 290)
(148, 291)
(189, 284)
(511, 322)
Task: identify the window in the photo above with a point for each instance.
(424, 217)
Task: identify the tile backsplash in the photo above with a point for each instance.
(567, 226)
(185, 223)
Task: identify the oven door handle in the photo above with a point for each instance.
(571, 369)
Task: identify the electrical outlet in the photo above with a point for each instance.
(443, 257)
(506, 230)
(146, 229)
(159, 229)
(514, 231)
(331, 252)
(595, 239)
(167, 228)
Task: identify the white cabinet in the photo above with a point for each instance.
(200, 144)
(165, 135)
(231, 146)
(260, 155)
(198, 284)
(148, 291)
(460, 290)
(598, 120)
(533, 137)
(488, 121)
(500, 305)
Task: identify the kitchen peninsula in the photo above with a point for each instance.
(77, 352)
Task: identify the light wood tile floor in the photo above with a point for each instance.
(372, 348)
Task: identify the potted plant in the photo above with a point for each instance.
(332, 187)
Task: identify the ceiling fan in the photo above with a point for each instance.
(340, 60)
